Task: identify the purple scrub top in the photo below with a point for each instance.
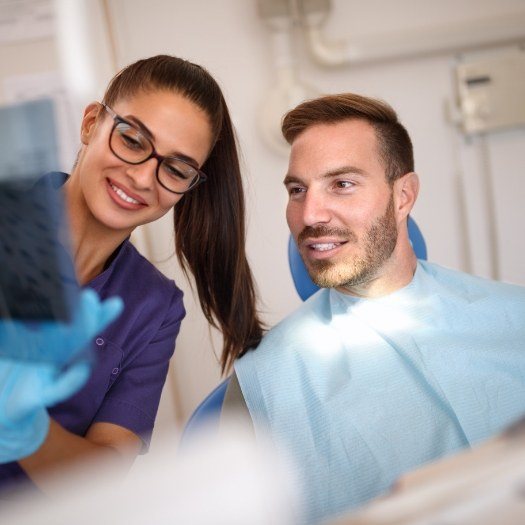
(131, 355)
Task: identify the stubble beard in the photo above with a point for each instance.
(379, 243)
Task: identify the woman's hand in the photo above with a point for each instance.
(47, 363)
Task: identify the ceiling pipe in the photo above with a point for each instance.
(287, 89)
(84, 48)
(453, 37)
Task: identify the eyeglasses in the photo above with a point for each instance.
(128, 143)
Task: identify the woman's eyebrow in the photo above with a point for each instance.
(143, 128)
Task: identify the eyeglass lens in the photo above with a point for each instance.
(130, 145)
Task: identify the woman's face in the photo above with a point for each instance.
(122, 196)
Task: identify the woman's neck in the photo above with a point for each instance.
(92, 244)
(91, 254)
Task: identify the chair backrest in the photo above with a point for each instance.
(207, 412)
(304, 285)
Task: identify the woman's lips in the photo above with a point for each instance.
(123, 197)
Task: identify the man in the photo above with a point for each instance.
(395, 362)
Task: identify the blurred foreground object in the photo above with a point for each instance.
(226, 480)
(28, 145)
(28, 386)
(483, 486)
(38, 278)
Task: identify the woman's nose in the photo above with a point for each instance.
(144, 175)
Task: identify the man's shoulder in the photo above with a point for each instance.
(472, 287)
(287, 344)
(299, 327)
(313, 310)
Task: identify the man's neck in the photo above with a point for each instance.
(396, 273)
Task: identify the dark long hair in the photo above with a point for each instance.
(209, 220)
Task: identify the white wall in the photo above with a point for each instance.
(229, 39)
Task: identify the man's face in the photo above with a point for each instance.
(341, 209)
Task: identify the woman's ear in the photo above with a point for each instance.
(89, 122)
(406, 189)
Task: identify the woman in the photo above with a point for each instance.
(161, 138)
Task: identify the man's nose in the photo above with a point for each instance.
(315, 208)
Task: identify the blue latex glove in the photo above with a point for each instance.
(28, 386)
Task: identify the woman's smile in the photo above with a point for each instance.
(123, 197)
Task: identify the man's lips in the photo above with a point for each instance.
(323, 246)
(322, 242)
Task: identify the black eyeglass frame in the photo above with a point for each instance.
(117, 119)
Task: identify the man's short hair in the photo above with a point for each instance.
(395, 146)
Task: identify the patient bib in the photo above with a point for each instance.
(359, 391)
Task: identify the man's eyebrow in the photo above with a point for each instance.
(343, 170)
(143, 128)
(289, 179)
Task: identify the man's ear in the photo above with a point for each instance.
(89, 122)
(406, 189)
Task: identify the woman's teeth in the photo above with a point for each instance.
(123, 195)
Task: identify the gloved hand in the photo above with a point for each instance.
(56, 370)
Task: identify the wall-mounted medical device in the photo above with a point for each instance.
(487, 95)
(491, 92)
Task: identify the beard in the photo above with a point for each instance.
(379, 242)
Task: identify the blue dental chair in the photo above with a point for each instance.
(210, 408)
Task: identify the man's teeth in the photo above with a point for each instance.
(123, 196)
(325, 246)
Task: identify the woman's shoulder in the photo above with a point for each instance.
(132, 260)
(132, 271)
